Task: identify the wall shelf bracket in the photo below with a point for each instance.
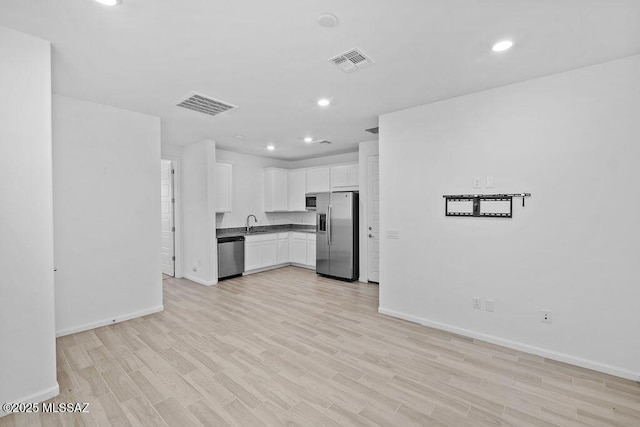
(482, 205)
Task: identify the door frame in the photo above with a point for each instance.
(177, 217)
(368, 203)
(365, 150)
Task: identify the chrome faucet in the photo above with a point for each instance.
(248, 226)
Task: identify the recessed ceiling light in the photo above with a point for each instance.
(503, 45)
(109, 2)
(324, 102)
(271, 147)
(240, 136)
(327, 20)
(308, 139)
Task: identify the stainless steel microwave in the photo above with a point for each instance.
(310, 202)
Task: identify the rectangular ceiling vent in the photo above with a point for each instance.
(372, 130)
(205, 104)
(352, 60)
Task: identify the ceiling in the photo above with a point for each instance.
(270, 58)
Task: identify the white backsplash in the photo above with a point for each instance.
(271, 218)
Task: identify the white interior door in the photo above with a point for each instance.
(167, 201)
(373, 219)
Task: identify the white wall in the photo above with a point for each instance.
(572, 141)
(365, 150)
(27, 331)
(106, 176)
(200, 251)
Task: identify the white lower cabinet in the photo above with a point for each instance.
(274, 249)
(260, 251)
(252, 255)
(298, 248)
(283, 248)
(311, 249)
(269, 253)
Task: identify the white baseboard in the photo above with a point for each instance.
(550, 354)
(199, 281)
(37, 397)
(273, 267)
(308, 267)
(109, 321)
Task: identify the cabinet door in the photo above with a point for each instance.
(283, 249)
(318, 180)
(223, 181)
(354, 176)
(297, 190)
(252, 255)
(299, 250)
(276, 189)
(269, 253)
(340, 176)
(344, 177)
(311, 250)
(280, 190)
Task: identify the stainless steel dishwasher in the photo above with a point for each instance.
(230, 257)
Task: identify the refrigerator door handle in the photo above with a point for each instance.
(329, 226)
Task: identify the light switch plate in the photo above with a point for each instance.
(477, 182)
(393, 234)
(491, 182)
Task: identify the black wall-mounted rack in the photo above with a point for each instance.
(477, 205)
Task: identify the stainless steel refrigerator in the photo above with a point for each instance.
(337, 234)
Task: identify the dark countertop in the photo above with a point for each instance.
(264, 229)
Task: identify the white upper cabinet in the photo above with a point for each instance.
(284, 190)
(344, 177)
(276, 190)
(318, 180)
(223, 173)
(297, 190)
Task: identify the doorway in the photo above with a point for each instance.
(167, 212)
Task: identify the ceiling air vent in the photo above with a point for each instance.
(324, 141)
(352, 60)
(204, 104)
(372, 130)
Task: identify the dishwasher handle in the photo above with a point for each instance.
(230, 239)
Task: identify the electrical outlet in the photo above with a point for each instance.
(477, 181)
(489, 305)
(490, 182)
(546, 316)
(477, 303)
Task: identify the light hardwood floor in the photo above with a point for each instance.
(286, 347)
